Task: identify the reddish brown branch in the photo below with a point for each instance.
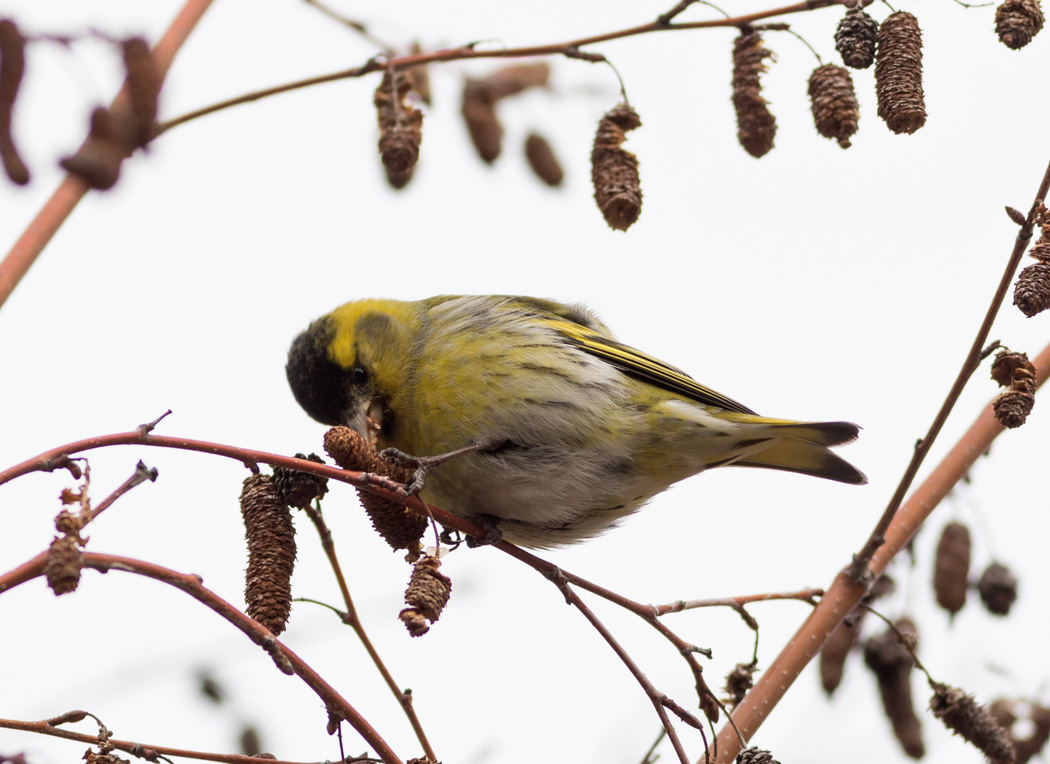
(142, 750)
(847, 590)
(286, 660)
(859, 568)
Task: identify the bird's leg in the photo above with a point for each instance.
(424, 464)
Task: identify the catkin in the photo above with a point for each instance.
(271, 553)
(855, 38)
(898, 73)
(614, 171)
(400, 127)
(756, 125)
(1018, 21)
(834, 103)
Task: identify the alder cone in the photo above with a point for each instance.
(271, 553)
(1017, 22)
(614, 171)
(1032, 290)
(898, 73)
(834, 103)
(855, 38)
(756, 125)
(952, 567)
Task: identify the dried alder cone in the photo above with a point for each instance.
(400, 127)
(1032, 290)
(1013, 405)
(898, 73)
(271, 553)
(834, 103)
(62, 565)
(855, 38)
(892, 664)
(1018, 21)
(951, 570)
(542, 160)
(400, 527)
(963, 716)
(755, 755)
(12, 67)
(479, 103)
(997, 587)
(427, 594)
(1035, 724)
(614, 171)
(756, 125)
(739, 681)
(299, 489)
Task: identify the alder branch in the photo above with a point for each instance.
(286, 660)
(570, 49)
(146, 751)
(351, 619)
(859, 568)
(848, 589)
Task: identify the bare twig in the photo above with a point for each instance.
(570, 49)
(351, 619)
(973, 359)
(847, 589)
(286, 660)
(145, 751)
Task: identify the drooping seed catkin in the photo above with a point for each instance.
(1018, 21)
(898, 73)
(427, 594)
(951, 570)
(962, 715)
(756, 125)
(400, 127)
(542, 160)
(834, 103)
(855, 38)
(614, 171)
(892, 664)
(271, 553)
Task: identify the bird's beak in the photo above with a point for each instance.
(366, 418)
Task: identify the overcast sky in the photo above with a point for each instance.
(814, 283)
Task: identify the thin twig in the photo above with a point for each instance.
(146, 751)
(859, 568)
(847, 590)
(285, 659)
(351, 619)
(570, 49)
(141, 475)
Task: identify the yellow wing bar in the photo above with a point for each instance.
(643, 366)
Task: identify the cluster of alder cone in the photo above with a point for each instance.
(266, 501)
(895, 47)
(1009, 730)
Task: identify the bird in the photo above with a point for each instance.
(528, 413)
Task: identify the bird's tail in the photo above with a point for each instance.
(802, 447)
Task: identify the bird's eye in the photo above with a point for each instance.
(359, 375)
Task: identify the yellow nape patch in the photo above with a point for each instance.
(343, 348)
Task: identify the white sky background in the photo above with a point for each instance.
(813, 283)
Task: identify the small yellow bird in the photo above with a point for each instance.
(563, 430)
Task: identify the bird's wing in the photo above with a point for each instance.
(641, 365)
